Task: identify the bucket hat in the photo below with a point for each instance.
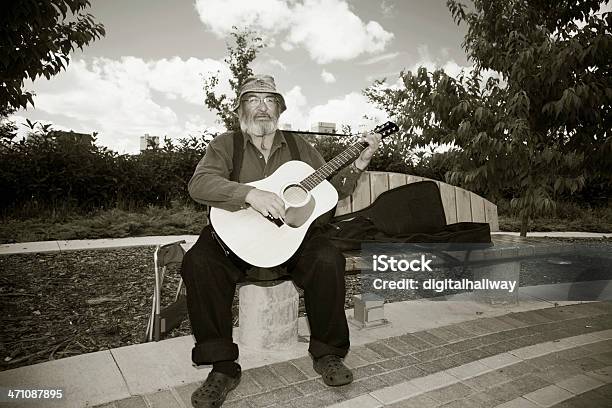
(259, 83)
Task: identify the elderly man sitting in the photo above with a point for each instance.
(210, 271)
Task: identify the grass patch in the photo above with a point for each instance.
(567, 217)
(187, 219)
(114, 223)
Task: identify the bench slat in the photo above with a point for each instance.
(396, 180)
(413, 179)
(361, 195)
(464, 210)
(491, 215)
(379, 183)
(478, 210)
(447, 193)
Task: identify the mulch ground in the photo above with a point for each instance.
(63, 304)
(60, 305)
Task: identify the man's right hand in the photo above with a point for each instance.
(266, 203)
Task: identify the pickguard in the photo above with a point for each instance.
(296, 216)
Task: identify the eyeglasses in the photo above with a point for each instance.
(254, 101)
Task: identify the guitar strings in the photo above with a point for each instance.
(328, 168)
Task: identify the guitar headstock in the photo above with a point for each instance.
(386, 129)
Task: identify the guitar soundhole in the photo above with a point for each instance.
(295, 195)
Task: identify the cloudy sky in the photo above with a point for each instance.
(146, 74)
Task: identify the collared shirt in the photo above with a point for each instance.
(210, 182)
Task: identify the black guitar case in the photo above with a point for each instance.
(411, 213)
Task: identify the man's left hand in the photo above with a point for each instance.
(373, 140)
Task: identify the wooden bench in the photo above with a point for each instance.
(460, 205)
(268, 329)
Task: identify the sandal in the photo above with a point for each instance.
(214, 390)
(333, 371)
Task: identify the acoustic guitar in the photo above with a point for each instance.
(267, 242)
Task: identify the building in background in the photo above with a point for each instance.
(285, 126)
(323, 127)
(73, 138)
(148, 142)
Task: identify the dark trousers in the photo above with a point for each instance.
(210, 278)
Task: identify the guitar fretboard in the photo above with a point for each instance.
(323, 172)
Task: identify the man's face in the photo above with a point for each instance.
(258, 113)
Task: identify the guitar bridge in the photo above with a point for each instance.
(279, 223)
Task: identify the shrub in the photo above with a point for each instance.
(48, 171)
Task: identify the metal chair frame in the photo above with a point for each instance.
(164, 319)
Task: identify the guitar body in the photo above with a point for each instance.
(258, 240)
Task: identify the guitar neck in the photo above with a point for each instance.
(341, 160)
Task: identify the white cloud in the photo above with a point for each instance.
(348, 110)
(384, 75)
(184, 79)
(278, 64)
(296, 106)
(195, 126)
(110, 98)
(450, 67)
(328, 77)
(295, 97)
(221, 15)
(287, 46)
(328, 29)
(123, 99)
(23, 129)
(387, 8)
(379, 58)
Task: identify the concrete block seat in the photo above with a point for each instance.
(268, 310)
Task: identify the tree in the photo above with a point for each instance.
(243, 51)
(8, 129)
(536, 104)
(37, 38)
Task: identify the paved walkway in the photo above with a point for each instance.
(560, 356)
(113, 243)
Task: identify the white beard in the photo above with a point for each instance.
(257, 127)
